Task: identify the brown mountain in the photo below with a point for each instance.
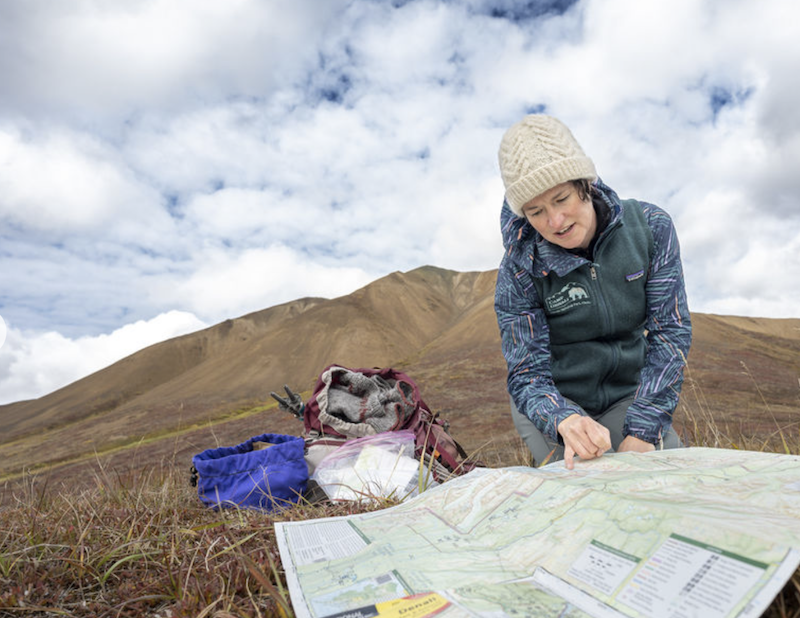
(212, 387)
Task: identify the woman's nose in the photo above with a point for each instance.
(556, 220)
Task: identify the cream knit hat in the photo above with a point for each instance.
(536, 154)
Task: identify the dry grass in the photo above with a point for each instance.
(700, 426)
(140, 544)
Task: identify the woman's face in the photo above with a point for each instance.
(562, 217)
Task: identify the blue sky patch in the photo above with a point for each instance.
(720, 98)
(522, 11)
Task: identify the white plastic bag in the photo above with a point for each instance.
(373, 467)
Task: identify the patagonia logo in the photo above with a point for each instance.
(571, 295)
(634, 276)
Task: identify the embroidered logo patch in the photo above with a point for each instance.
(634, 276)
(571, 295)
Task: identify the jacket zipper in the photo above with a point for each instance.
(603, 306)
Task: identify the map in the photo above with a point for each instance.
(694, 532)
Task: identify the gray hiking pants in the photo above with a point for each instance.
(613, 419)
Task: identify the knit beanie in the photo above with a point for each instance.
(536, 154)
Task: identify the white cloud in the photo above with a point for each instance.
(36, 363)
(225, 284)
(193, 151)
(218, 158)
(68, 183)
(97, 61)
(467, 239)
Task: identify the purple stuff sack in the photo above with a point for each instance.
(247, 476)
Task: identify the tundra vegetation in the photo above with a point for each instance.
(139, 543)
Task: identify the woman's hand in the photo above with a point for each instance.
(635, 445)
(584, 437)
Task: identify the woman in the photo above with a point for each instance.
(590, 301)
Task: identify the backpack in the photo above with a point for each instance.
(353, 403)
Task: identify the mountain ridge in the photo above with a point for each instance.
(436, 324)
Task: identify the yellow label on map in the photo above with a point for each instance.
(415, 606)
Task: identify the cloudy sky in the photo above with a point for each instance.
(168, 164)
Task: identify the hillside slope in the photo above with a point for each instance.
(192, 392)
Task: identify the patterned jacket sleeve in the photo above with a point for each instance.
(669, 334)
(526, 346)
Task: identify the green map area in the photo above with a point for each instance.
(688, 532)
